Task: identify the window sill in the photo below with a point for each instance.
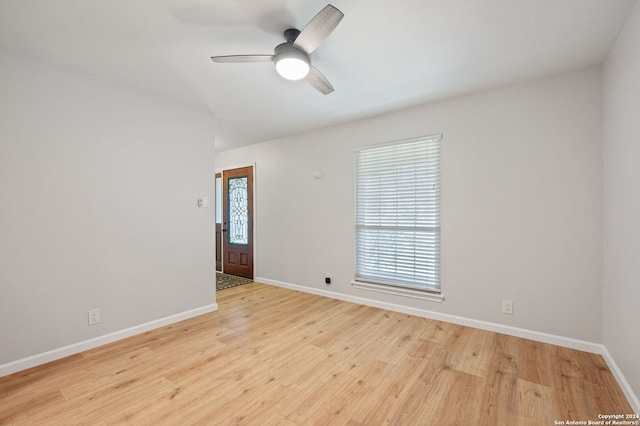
(399, 291)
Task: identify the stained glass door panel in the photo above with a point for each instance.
(238, 226)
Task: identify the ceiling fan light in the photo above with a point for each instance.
(292, 68)
(291, 63)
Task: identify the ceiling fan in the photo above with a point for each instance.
(292, 58)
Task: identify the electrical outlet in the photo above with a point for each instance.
(507, 307)
(327, 279)
(94, 316)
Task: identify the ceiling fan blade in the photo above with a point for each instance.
(318, 29)
(242, 58)
(319, 81)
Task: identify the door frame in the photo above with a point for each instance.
(254, 216)
(218, 255)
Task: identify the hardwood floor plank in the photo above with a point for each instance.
(534, 403)
(13, 406)
(364, 393)
(402, 333)
(268, 405)
(104, 375)
(275, 356)
(95, 409)
(497, 403)
(40, 376)
(474, 353)
(460, 402)
(436, 331)
(534, 362)
(406, 387)
(570, 397)
(332, 396)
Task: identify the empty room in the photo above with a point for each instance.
(292, 212)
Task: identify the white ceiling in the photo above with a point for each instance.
(384, 55)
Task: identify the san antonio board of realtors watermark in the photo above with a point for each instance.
(604, 420)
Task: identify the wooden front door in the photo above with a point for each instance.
(237, 221)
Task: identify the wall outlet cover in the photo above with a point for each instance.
(94, 316)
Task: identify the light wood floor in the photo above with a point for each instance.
(274, 356)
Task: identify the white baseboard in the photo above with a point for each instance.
(622, 381)
(483, 325)
(52, 355)
(537, 336)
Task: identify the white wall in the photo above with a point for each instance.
(521, 203)
(98, 189)
(622, 201)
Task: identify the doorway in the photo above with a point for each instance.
(234, 222)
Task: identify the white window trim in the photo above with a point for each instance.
(399, 291)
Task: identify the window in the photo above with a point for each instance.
(397, 217)
(219, 198)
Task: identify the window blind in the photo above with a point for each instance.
(397, 214)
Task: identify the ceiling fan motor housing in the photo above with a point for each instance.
(291, 63)
(288, 50)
